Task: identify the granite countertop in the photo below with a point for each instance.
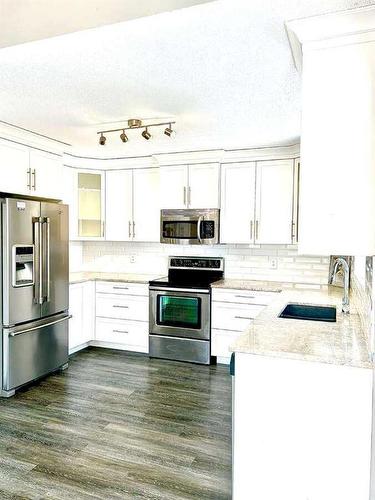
(339, 343)
(80, 277)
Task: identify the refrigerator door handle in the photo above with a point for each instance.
(27, 330)
(47, 259)
(38, 292)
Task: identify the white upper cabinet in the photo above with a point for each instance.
(190, 186)
(133, 205)
(258, 202)
(14, 168)
(70, 198)
(203, 189)
(46, 174)
(91, 204)
(274, 202)
(173, 186)
(146, 204)
(237, 202)
(119, 205)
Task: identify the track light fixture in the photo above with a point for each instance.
(124, 137)
(169, 131)
(136, 124)
(146, 134)
(102, 139)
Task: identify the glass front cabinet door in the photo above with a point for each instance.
(90, 204)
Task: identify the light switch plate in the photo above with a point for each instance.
(273, 263)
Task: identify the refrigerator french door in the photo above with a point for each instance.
(35, 290)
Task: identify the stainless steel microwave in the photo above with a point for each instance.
(192, 227)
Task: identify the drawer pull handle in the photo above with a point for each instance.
(120, 331)
(121, 307)
(243, 317)
(245, 297)
(120, 288)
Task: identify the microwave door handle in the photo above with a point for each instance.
(199, 225)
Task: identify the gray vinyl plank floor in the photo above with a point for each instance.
(117, 425)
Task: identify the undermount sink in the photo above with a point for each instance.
(307, 312)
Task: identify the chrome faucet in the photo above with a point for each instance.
(341, 263)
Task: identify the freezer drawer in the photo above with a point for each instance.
(33, 350)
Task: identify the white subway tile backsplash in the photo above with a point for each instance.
(241, 261)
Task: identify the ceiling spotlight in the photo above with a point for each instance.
(124, 137)
(146, 134)
(102, 140)
(169, 131)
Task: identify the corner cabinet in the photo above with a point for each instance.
(31, 172)
(133, 205)
(259, 202)
(190, 186)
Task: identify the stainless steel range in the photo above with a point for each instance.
(180, 309)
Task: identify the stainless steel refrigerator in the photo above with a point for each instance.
(35, 290)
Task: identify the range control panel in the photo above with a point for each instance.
(201, 263)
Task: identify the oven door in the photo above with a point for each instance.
(180, 312)
(192, 227)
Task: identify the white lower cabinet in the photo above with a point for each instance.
(122, 316)
(301, 430)
(232, 313)
(81, 308)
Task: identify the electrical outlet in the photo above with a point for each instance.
(132, 259)
(273, 263)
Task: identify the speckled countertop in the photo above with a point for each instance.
(80, 277)
(339, 343)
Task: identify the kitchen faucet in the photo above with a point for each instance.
(341, 263)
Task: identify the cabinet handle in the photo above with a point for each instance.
(184, 196)
(120, 331)
(130, 229)
(256, 229)
(133, 229)
(245, 296)
(243, 317)
(29, 179)
(33, 173)
(120, 288)
(102, 228)
(292, 235)
(189, 196)
(251, 229)
(121, 307)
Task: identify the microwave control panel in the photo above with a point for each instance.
(208, 229)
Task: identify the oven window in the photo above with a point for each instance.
(180, 229)
(179, 311)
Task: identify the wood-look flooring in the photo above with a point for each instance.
(117, 425)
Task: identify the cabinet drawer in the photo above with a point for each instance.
(132, 334)
(243, 296)
(120, 288)
(235, 317)
(221, 341)
(122, 307)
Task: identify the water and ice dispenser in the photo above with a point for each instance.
(23, 265)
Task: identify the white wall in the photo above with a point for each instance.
(241, 261)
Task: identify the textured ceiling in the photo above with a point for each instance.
(224, 70)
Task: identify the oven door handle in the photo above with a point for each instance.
(190, 290)
(199, 226)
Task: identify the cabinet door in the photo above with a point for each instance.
(203, 190)
(70, 198)
(46, 175)
(14, 168)
(75, 309)
(90, 204)
(173, 186)
(146, 204)
(274, 205)
(88, 312)
(119, 205)
(237, 202)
